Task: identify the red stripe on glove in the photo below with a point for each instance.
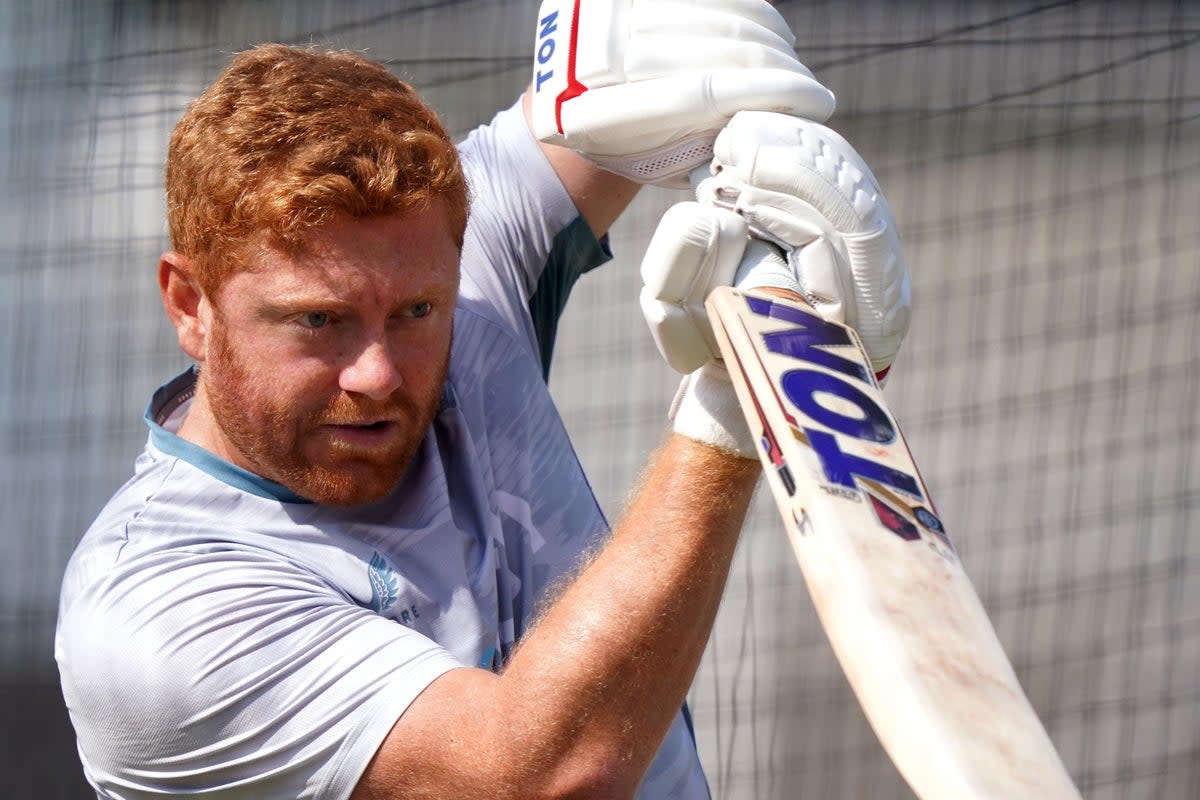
(574, 87)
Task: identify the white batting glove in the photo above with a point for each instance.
(695, 248)
(801, 186)
(706, 409)
(642, 87)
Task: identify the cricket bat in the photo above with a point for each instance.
(904, 620)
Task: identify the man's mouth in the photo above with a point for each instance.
(363, 433)
(361, 422)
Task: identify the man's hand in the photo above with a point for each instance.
(642, 88)
(803, 188)
(695, 248)
(790, 205)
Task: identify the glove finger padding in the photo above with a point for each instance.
(801, 186)
(694, 249)
(632, 86)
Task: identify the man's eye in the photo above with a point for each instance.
(420, 309)
(314, 319)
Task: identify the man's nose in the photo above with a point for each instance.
(372, 372)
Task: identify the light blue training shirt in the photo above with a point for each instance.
(222, 638)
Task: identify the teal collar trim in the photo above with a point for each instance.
(180, 390)
(169, 398)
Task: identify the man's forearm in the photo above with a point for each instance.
(585, 701)
(599, 195)
(627, 635)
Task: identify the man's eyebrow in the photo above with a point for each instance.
(297, 301)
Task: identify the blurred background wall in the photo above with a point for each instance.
(1043, 160)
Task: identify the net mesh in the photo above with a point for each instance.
(1043, 160)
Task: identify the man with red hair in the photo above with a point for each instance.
(358, 557)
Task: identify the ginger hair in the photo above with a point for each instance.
(287, 139)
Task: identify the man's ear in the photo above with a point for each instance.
(185, 303)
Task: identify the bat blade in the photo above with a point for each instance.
(901, 614)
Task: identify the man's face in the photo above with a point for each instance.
(324, 371)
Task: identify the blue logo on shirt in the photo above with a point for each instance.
(385, 589)
(490, 660)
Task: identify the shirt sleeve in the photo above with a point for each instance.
(228, 673)
(526, 244)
